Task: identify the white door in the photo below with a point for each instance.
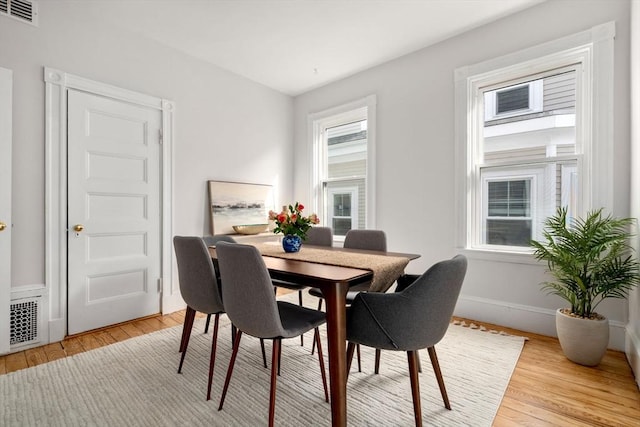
(113, 211)
(6, 79)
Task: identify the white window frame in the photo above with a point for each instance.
(316, 123)
(593, 50)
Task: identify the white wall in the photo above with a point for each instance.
(633, 328)
(415, 154)
(227, 127)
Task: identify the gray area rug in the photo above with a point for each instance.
(134, 383)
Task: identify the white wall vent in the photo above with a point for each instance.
(22, 10)
(25, 321)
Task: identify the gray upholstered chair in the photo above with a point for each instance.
(212, 241)
(252, 307)
(417, 317)
(316, 236)
(370, 240)
(199, 289)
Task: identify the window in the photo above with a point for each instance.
(342, 186)
(527, 142)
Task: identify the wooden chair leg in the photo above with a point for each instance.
(436, 370)
(377, 368)
(316, 337)
(206, 325)
(189, 316)
(359, 362)
(350, 348)
(313, 347)
(275, 356)
(300, 303)
(186, 334)
(212, 359)
(415, 387)
(232, 361)
(279, 358)
(264, 355)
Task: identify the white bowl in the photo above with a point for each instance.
(250, 228)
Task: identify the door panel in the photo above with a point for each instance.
(114, 196)
(6, 84)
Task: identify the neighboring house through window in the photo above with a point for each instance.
(533, 135)
(342, 166)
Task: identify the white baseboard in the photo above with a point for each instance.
(632, 349)
(525, 318)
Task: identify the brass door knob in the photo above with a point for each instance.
(78, 227)
(2, 226)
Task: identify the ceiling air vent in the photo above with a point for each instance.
(22, 10)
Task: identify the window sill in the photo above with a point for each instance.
(500, 256)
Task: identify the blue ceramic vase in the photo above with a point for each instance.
(291, 243)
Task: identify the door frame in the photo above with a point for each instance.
(57, 84)
(6, 142)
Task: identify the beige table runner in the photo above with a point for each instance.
(386, 269)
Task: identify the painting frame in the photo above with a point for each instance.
(238, 203)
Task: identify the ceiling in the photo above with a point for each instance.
(294, 46)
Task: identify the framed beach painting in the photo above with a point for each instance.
(238, 204)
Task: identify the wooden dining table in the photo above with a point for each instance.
(334, 282)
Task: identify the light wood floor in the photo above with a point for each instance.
(546, 389)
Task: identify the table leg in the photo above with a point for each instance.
(335, 298)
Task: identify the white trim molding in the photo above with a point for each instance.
(526, 318)
(632, 348)
(57, 83)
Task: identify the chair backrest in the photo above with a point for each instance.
(415, 318)
(213, 240)
(247, 291)
(371, 240)
(319, 236)
(435, 295)
(198, 284)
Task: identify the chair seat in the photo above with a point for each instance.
(297, 320)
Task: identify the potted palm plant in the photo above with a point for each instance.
(590, 260)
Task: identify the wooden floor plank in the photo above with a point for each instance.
(132, 330)
(16, 361)
(36, 356)
(72, 345)
(54, 351)
(546, 389)
(118, 334)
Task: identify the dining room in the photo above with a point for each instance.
(393, 134)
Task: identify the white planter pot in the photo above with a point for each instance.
(583, 341)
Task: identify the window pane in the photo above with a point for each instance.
(347, 150)
(509, 198)
(508, 232)
(545, 126)
(341, 226)
(342, 205)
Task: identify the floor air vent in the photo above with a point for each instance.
(22, 10)
(25, 316)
